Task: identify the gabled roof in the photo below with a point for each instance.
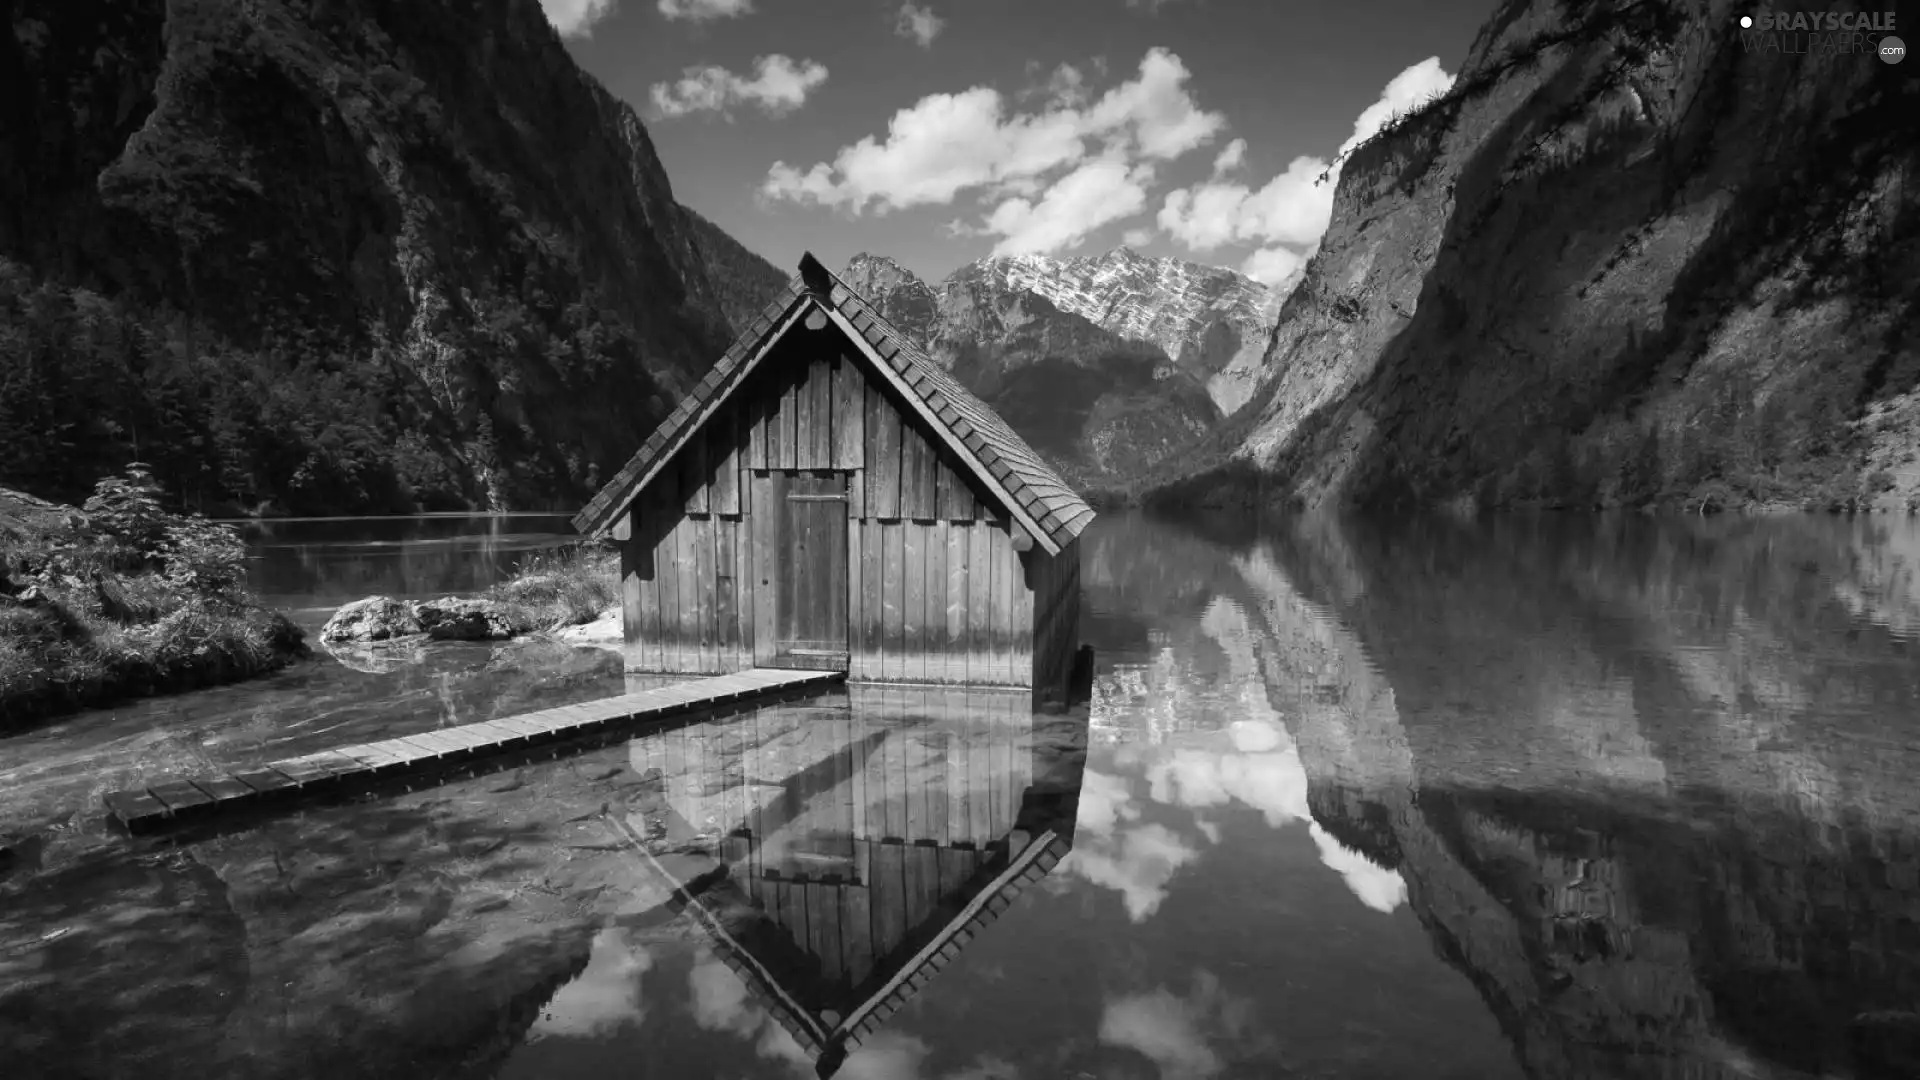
(1000, 459)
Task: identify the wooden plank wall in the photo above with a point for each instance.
(935, 592)
(685, 569)
(1056, 633)
(941, 602)
(938, 593)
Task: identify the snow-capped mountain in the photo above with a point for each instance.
(1107, 364)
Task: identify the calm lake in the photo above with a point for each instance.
(1527, 797)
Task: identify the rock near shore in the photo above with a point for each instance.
(377, 618)
(450, 618)
(453, 618)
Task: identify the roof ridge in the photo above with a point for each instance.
(1036, 492)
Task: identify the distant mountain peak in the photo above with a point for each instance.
(869, 264)
(1212, 321)
(902, 299)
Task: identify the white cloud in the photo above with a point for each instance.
(575, 18)
(705, 10)
(1405, 92)
(1066, 87)
(1137, 238)
(778, 86)
(1059, 171)
(1291, 209)
(1230, 158)
(1095, 194)
(1275, 265)
(918, 22)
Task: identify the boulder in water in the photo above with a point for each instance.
(453, 618)
(377, 618)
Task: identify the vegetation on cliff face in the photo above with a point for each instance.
(336, 255)
(742, 281)
(1624, 261)
(123, 600)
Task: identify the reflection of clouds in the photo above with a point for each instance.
(1202, 740)
(885, 1056)
(1377, 887)
(1273, 783)
(1263, 772)
(720, 999)
(604, 997)
(1257, 736)
(1161, 1027)
(721, 1003)
(1104, 800)
(1178, 1034)
(1137, 862)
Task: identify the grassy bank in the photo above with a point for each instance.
(123, 600)
(564, 587)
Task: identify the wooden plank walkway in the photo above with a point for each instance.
(158, 806)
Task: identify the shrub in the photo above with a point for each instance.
(127, 510)
(204, 558)
(138, 601)
(564, 587)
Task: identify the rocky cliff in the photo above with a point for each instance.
(1632, 256)
(1108, 365)
(336, 255)
(1210, 321)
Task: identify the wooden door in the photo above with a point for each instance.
(802, 594)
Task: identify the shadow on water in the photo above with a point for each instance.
(1550, 798)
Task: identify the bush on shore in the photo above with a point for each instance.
(564, 587)
(125, 600)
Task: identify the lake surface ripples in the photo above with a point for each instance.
(1554, 797)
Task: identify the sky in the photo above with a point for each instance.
(939, 132)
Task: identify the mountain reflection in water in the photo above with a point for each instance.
(1554, 798)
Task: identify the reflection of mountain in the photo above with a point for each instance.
(858, 848)
(1639, 780)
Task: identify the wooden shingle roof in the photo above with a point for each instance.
(997, 456)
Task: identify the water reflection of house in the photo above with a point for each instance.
(859, 845)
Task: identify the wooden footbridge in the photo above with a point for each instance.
(352, 768)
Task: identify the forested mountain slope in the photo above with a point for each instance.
(321, 256)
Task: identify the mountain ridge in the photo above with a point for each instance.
(1623, 261)
(1075, 352)
(348, 257)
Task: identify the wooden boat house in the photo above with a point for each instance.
(828, 497)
